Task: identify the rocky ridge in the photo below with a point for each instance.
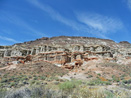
(64, 49)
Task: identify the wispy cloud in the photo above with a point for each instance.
(129, 4)
(94, 24)
(9, 39)
(100, 23)
(55, 14)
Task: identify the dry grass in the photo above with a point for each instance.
(80, 91)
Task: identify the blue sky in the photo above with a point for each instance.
(25, 20)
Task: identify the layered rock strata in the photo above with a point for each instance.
(61, 50)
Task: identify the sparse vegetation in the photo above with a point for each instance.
(68, 90)
(126, 84)
(32, 81)
(115, 79)
(17, 78)
(98, 82)
(121, 67)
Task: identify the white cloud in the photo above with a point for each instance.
(9, 39)
(95, 24)
(100, 23)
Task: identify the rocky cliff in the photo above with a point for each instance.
(65, 49)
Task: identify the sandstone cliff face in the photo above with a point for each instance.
(66, 49)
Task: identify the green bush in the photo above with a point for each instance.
(99, 74)
(32, 82)
(42, 77)
(90, 76)
(12, 84)
(69, 85)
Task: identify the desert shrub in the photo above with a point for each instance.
(29, 77)
(80, 91)
(12, 77)
(5, 76)
(37, 92)
(2, 93)
(89, 92)
(98, 82)
(89, 76)
(43, 92)
(69, 85)
(109, 94)
(31, 92)
(54, 78)
(13, 84)
(20, 84)
(42, 77)
(122, 77)
(18, 93)
(35, 78)
(32, 82)
(127, 81)
(1, 84)
(61, 74)
(116, 79)
(37, 82)
(126, 84)
(99, 74)
(4, 80)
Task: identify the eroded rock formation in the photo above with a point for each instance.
(64, 50)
